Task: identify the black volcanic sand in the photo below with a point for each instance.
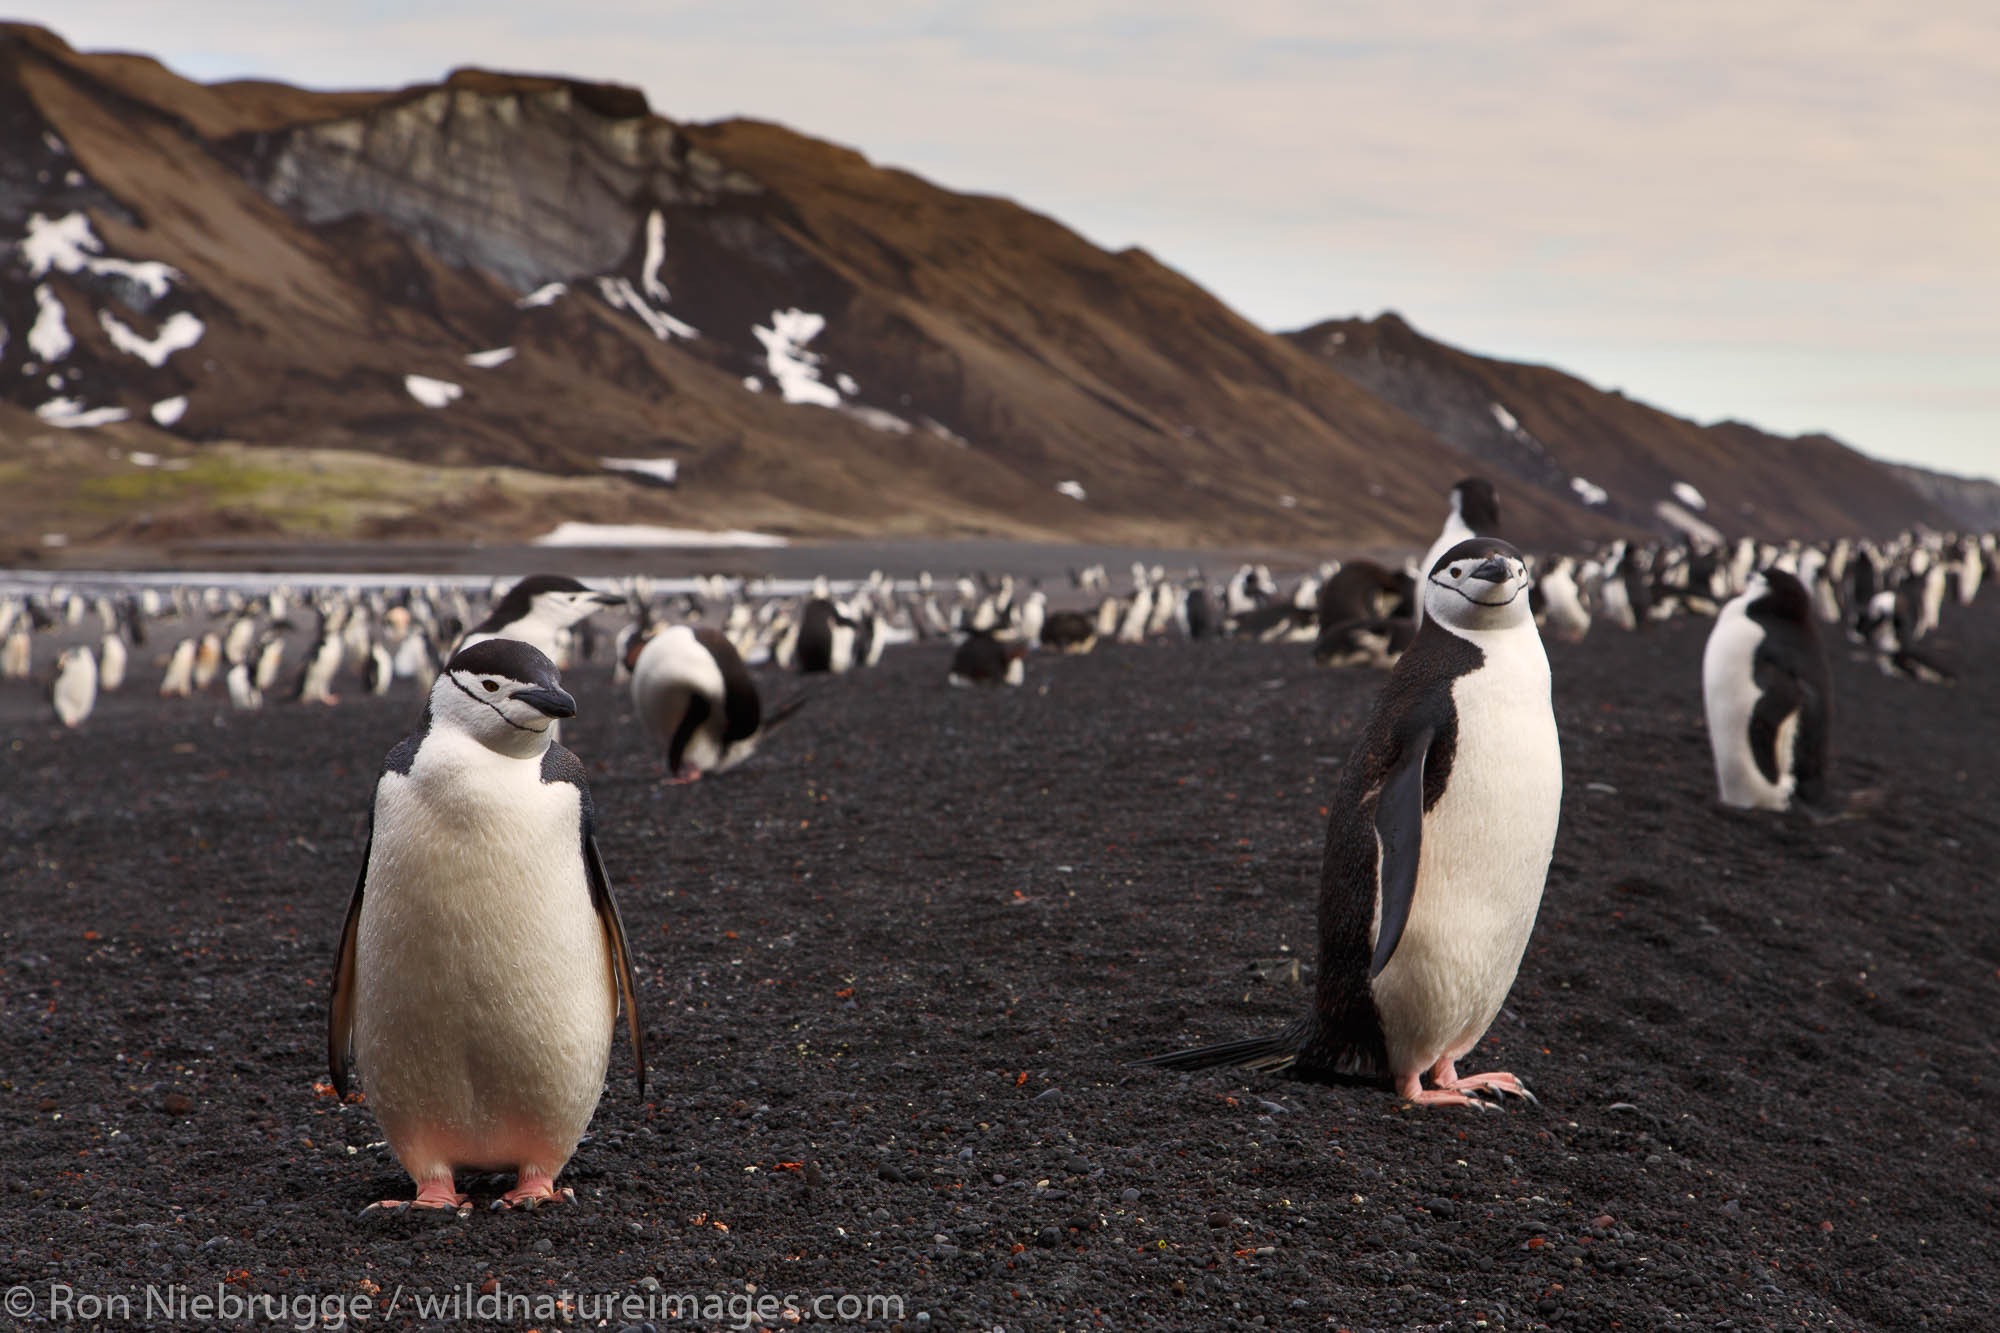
(890, 972)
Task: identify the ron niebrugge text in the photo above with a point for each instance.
(60, 1303)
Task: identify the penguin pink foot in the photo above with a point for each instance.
(1445, 1074)
(1411, 1089)
(438, 1192)
(534, 1188)
(691, 775)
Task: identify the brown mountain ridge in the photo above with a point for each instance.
(822, 345)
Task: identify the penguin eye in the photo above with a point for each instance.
(1455, 571)
(491, 685)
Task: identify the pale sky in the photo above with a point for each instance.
(1783, 212)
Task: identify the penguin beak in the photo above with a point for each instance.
(608, 599)
(1492, 570)
(551, 702)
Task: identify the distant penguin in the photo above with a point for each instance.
(75, 690)
(178, 682)
(1563, 607)
(1378, 643)
(17, 653)
(537, 611)
(1198, 610)
(317, 676)
(1070, 632)
(1475, 512)
(1359, 590)
(984, 660)
(207, 661)
(112, 660)
(270, 657)
(482, 961)
(696, 700)
(827, 640)
(1769, 697)
(1437, 848)
(243, 692)
(378, 673)
(1034, 613)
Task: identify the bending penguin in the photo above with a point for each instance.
(1769, 697)
(482, 961)
(696, 700)
(1436, 850)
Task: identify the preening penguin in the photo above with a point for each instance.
(1768, 696)
(696, 700)
(983, 660)
(482, 960)
(1436, 850)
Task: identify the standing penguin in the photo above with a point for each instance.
(696, 700)
(538, 610)
(482, 960)
(1769, 697)
(1436, 850)
(1475, 512)
(75, 691)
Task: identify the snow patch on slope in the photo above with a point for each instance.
(664, 471)
(1689, 496)
(618, 293)
(1073, 489)
(67, 245)
(165, 413)
(70, 413)
(794, 368)
(547, 294)
(1588, 492)
(498, 356)
(430, 392)
(179, 332)
(642, 534)
(656, 254)
(49, 339)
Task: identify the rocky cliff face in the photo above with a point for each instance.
(1973, 503)
(539, 272)
(1630, 462)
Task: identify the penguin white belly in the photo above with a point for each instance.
(484, 997)
(1729, 695)
(1484, 860)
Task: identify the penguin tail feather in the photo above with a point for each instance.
(1273, 1054)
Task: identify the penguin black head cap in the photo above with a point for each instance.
(1478, 505)
(1477, 584)
(497, 663)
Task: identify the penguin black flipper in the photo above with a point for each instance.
(1781, 695)
(559, 765)
(340, 1010)
(1399, 833)
(621, 951)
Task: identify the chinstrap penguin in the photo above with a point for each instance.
(1437, 849)
(696, 700)
(482, 961)
(1768, 696)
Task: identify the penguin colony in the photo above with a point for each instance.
(487, 1056)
